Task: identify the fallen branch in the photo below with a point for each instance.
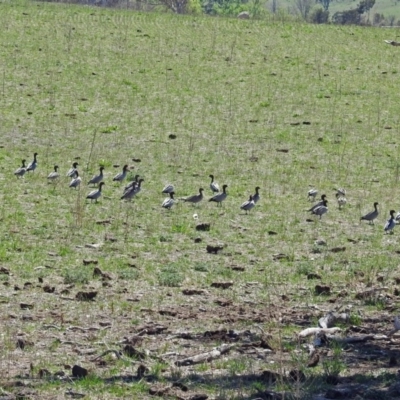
(209, 356)
(312, 331)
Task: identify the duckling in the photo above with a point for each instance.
(76, 181)
(32, 166)
(196, 198)
(214, 185)
(21, 170)
(122, 175)
(390, 223)
(321, 210)
(95, 194)
(53, 175)
(340, 192)
(341, 200)
(219, 198)
(248, 205)
(312, 193)
(320, 203)
(371, 215)
(256, 196)
(72, 170)
(97, 178)
(168, 202)
(168, 189)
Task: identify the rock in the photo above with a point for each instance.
(214, 249)
(79, 372)
(203, 227)
(322, 289)
(85, 296)
(191, 292)
(88, 262)
(313, 275)
(141, 370)
(25, 306)
(222, 285)
(49, 289)
(244, 15)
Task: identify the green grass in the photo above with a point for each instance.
(104, 87)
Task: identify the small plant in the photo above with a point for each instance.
(169, 276)
(334, 365)
(77, 275)
(128, 274)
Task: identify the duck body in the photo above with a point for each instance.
(76, 181)
(371, 215)
(312, 193)
(390, 223)
(95, 194)
(71, 172)
(321, 210)
(32, 165)
(256, 195)
(97, 178)
(131, 184)
(168, 202)
(248, 205)
(20, 172)
(53, 175)
(196, 198)
(168, 189)
(122, 175)
(220, 197)
(320, 203)
(213, 185)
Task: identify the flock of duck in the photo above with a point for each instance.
(134, 187)
(321, 207)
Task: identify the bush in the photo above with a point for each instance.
(319, 16)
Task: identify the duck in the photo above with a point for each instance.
(213, 185)
(397, 218)
(220, 197)
(53, 175)
(130, 192)
(196, 198)
(341, 199)
(320, 203)
(133, 190)
(72, 170)
(168, 202)
(95, 194)
(256, 195)
(371, 215)
(76, 181)
(390, 223)
(312, 193)
(248, 205)
(168, 189)
(122, 175)
(133, 183)
(97, 178)
(32, 165)
(21, 170)
(321, 210)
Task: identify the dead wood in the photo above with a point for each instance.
(313, 331)
(205, 357)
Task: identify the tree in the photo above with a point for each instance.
(319, 16)
(325, 4)
(304, 7)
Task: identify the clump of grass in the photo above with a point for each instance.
(77, 275)
(169, 276)
(128, 274)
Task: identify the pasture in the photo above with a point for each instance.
(279, 105)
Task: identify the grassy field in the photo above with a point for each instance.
(279, 105)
